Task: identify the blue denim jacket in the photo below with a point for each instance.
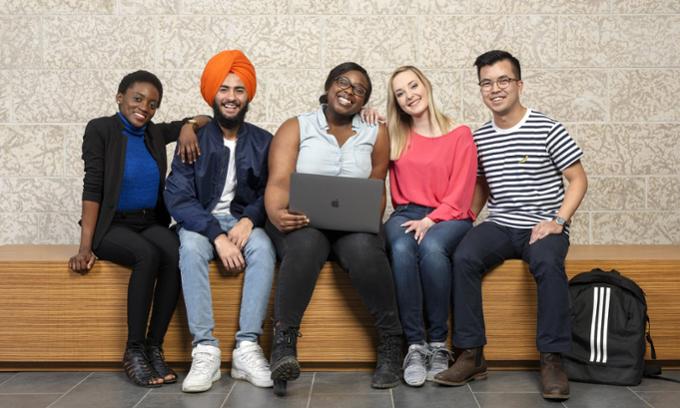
(193, 190)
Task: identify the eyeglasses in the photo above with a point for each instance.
(344, 83)
(502, 82)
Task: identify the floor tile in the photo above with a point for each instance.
(27, 400)
(351, 401)
(222, 386)
(344, 383)
(183, 400)
(602, 396)
(508, 381)
(653, 384)
(42, 382)
(518, 400)
(661, 399)
(6, 376)
(103, 390)
(433, 396)
(245, 395)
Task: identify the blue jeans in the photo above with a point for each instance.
(195, 252)
(423, 272)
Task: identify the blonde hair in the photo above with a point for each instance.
(399, 123)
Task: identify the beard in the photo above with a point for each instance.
(227, 122)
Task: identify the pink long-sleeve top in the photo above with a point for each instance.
(438, 172)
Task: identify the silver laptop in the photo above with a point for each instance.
(337, 203)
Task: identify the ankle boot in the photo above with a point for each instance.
(554, 381)
(387, 372)
(469, 365)
(284, 364)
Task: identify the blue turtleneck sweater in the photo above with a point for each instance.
(141, 178)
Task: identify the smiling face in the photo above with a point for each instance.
(501, 101)
(410, 93)
(344, 99)
(139, 103)
(232, 97)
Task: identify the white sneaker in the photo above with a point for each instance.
(415, 371)
(438, 359)
(248, 363)
(205, 368)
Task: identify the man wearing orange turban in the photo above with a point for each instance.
(217, 69)
(218, 202)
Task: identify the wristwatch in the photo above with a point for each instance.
(194, 124)
(559, 220)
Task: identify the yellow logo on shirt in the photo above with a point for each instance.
(524, 159)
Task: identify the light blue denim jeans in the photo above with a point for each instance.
(195, 252)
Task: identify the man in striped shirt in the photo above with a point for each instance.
(523, 156)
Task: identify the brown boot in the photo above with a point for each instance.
(470, 365)
(554, 381)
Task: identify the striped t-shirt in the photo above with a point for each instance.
(523, 167)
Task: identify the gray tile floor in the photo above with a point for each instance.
(505, 389)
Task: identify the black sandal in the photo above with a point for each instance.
(137, 368)
(157, 361)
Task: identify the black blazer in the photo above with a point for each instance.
(104, 155)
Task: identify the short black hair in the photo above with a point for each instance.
(141, 76)
(341, 69)
(492, 57)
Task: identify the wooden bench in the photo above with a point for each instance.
(53, 318)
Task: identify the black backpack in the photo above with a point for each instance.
(609, 325)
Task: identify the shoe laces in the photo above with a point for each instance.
(254, 356)
(439, 355)
(202, 363)
(417, 354)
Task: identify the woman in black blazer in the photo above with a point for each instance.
(124, 219)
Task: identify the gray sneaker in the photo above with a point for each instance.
(437, 359)
(415, 370)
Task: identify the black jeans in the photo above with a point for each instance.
(152, 251)
(486, 246)
(303, 253)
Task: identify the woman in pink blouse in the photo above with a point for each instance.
(432, 179)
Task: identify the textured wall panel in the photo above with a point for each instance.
(605, 41)
(636, 228)
(664, 193)
(455, 41)
(136, 7)
(386, 41)
(21, 42)
(645, 95)
(31, 151)
(5, 96)
(104, 42)
(615, 193)
(645, 6)
(289, 93)
(479, 7)
(70, 7)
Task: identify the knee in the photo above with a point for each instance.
(547, 267)
(194, 246)
(431, 247)
(466, 259)
(404, 244)
(260, 246)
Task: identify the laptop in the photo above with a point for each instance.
(337, 203)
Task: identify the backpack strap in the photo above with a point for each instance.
(653, 368)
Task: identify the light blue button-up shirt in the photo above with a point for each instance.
(320, 153)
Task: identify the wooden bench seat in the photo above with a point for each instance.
(51, 317)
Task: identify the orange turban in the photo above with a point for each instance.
(219, 66)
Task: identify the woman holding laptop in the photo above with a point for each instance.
(331, 141)
(432, 180)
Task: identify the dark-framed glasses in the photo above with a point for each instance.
(502, 82)
(344, 83)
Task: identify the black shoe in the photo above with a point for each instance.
(387, 372)
(284, 364)
(138, 369)
(157, 360)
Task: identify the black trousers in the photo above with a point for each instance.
(152, 251)
(486, 246)
(303, 253)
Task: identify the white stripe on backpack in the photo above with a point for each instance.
(599, 324)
